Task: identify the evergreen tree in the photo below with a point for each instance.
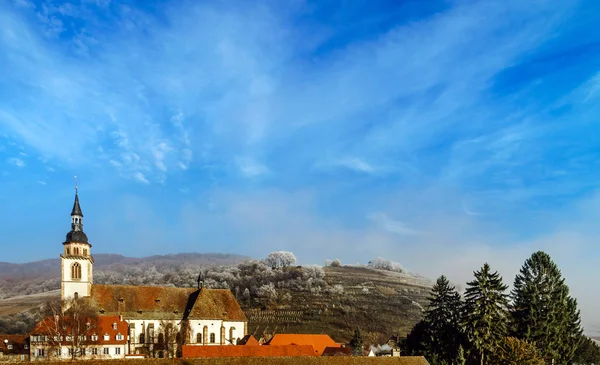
(543, 312)
(442, 318)
(485, 311)
(356, 343)
(587, 353)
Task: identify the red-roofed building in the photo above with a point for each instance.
(14, 348)
(318, 342)
(104, 337)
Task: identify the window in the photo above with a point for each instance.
(9, 347)
(70, 352)
(76, 271)
(161, 338)
(26, 346)
(106, 351)
(67, 251)
(119, 337)
(85, 252)
(117, 351)
(142, 338)
(212, 338)
(40, 352)
(69, 338)
(76, 251)
(198, 337)
(114, 325)
(151, 333)
(94, 351)
(106, 337)
(94, 337)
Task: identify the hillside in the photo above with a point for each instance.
(51, 267)
(379, 302)
(42, 276)
(332, 300)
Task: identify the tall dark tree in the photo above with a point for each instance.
(543, 312)
(438, 335)
(356, 343)
(485, 311)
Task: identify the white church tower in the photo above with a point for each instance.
(76, 260)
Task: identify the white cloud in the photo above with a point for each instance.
(16, 161)
(141, 178)
(249, 167)
(391, 225)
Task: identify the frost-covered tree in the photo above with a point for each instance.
(384, 264)
(279, 259)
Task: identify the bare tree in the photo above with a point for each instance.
(70, 328)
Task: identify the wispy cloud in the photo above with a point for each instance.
(249, 167)
(16, 161)
(391, 225)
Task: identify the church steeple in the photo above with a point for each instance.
(76, 208)
(76, 259)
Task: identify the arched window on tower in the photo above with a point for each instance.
(76, 271)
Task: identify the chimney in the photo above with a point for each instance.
(200, 280)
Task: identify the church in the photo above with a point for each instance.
(132, 321)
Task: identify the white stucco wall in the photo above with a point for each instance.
(196, 326)
(71, 286)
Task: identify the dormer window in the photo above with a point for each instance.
(94, 337)
(115, 326)
(156, 300)
(119, 337)
(10, 347)
(106, 337)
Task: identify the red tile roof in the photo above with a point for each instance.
(318, 342)
(160, 302)
(17, 342)
(248, 340)
(101, 326)
(189, 351)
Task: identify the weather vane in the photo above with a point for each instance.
(76, 183)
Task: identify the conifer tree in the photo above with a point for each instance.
(442, 317)
(543, 312)
(485, 311)
(356, 343)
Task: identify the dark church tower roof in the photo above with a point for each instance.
(76, 235)
(76, 208)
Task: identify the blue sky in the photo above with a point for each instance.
(439, 134)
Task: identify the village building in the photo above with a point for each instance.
(14, 348)
(134, 321)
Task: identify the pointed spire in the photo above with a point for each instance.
(76, 208)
